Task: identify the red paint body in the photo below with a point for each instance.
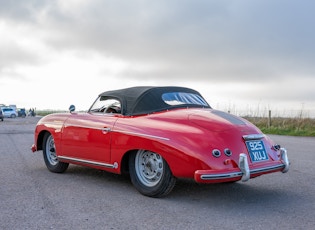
(184, 137)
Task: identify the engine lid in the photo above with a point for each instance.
(216, 120)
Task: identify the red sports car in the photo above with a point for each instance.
(158, 134)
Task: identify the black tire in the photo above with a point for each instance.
(150, 174)
(50, 157)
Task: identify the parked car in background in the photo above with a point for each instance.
(1, 115)
(9, 112)
(21, 112)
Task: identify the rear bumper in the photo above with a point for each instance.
(243, 172)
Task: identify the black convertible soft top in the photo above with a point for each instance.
(148, 99)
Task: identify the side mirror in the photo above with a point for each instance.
(72, 108)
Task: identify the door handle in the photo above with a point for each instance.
(105, 130)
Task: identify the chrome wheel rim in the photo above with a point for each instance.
(149, 167)
(51, 151)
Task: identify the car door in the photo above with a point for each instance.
(87, 137)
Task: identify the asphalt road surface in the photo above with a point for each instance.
(31, 197)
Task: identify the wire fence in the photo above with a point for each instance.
(274, 113)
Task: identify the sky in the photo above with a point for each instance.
(241, 55)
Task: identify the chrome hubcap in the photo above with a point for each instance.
(51, 151)
(149, 167)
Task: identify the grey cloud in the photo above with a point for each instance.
(219, 41)
(291, 89)
(225, 39)
(18, 14)
(12, 55)
(23, 11)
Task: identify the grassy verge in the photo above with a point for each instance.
(285, 126)
(46, 112)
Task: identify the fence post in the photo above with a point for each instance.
(269, 119)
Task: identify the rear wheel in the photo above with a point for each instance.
(150, 174)
(50, 156)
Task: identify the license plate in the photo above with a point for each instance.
(256, 151)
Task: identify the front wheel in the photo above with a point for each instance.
(50, 156)
(150, 174)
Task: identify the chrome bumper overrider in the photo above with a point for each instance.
(245, 172)
(285, 159)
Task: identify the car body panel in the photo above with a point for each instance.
(87, 136)
(186, 137)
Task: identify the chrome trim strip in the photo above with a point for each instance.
(142, 135)
(120, 131)
(82, 126)
(238, 174)
(113, 166)
(267, 169)
(221, 176)
(253, 137)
